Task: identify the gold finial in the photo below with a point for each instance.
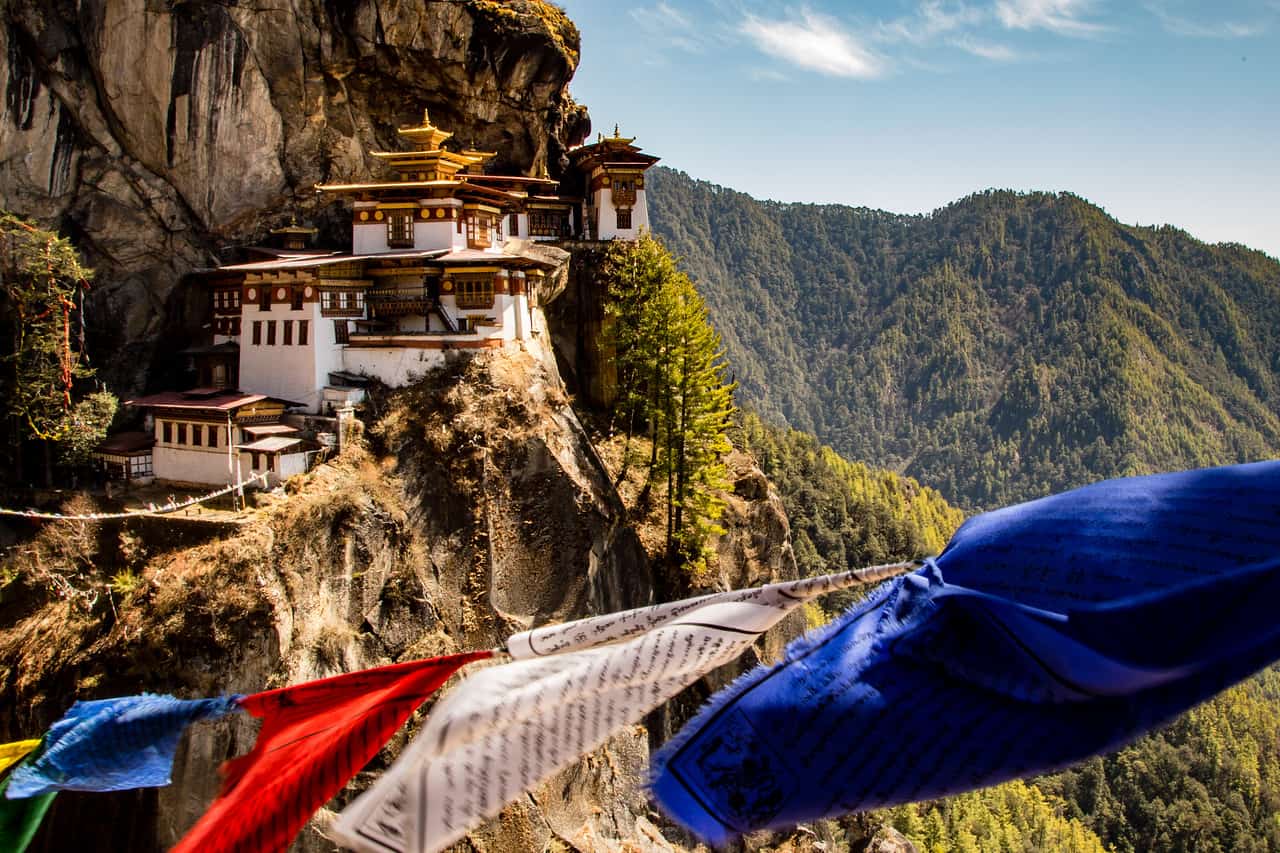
(599, 137)
(426, 119)
(616, 134)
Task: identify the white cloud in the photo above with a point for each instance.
(1182, 26)
(661, 16)
(986, 50)
(1063, 17)
(814, 42)
(767, 75)
(932, 19)
(665, 22)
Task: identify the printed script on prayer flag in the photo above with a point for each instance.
(1044, 633)
(507, 728)
(314, 737)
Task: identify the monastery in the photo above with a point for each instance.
(444, 257)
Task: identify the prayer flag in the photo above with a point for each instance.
(314, 738)
(113, 744)
(507, 728)
(1044, 633)
(14, 752)
(19, 819)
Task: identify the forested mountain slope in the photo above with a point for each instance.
(1003, 347)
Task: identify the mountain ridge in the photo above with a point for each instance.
(1003, 347)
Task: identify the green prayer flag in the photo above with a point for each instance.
(19, 819)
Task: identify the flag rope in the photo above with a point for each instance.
(152, 509)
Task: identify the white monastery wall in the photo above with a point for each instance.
(368, 238)
(192, 464)
(395, 366)
(289, 372)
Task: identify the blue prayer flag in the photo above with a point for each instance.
(1044, 633)
(113, 744)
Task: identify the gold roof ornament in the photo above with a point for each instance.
(293, 228)
(426, 136)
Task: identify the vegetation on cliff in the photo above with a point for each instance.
(1004, 347)
(845, 515)
(671, 385)
(42, 285)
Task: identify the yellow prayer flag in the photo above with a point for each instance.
(11, 753)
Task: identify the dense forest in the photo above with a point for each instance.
(1210, 781)
(1004, 347)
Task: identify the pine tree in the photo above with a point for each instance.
(42, 283)
(670, 369)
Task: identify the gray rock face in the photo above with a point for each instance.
(156, 133)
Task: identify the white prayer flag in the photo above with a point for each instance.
(507, 728)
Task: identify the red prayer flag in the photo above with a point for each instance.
(314, 738)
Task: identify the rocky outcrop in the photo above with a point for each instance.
(157, 134)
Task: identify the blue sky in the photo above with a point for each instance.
(1164, 111)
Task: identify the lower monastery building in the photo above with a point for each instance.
(443, 258)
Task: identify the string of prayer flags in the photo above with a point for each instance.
(507, 728)
(1044, 633)
(314, 738)
(21, 818)
(113, 744)
(11, 753)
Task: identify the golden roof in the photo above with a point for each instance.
(426, 136)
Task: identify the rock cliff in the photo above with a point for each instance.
(157, 134)
(479, 508)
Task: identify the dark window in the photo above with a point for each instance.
(271, 333)
(400, 230)
(264, 297)
(548, 223)
(288, 333)
(182, 433)
(513, 225)
(271, 461)
(166, 429)
(340, 331)
(624, 193)
(302, 332)
(624, 219)
(297, 299)
(213, 436)
(197, 435)
(257, 333)
(474, 291)
(254, 464)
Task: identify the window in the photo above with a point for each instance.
(264, 297)
(548, 223)
(513, 225)
(624, 220)
(166, 430)
(182, 433)
(288, 333)
(474, 291)
(624, 192)
(340, 331)
(400, 230)
(271, 461)
(271, 333)
(297, 299)
(478, 226)
(213, 436)
(253, 464)
(257, 333)
(326, 300)
(302, 333)
(197, 435)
